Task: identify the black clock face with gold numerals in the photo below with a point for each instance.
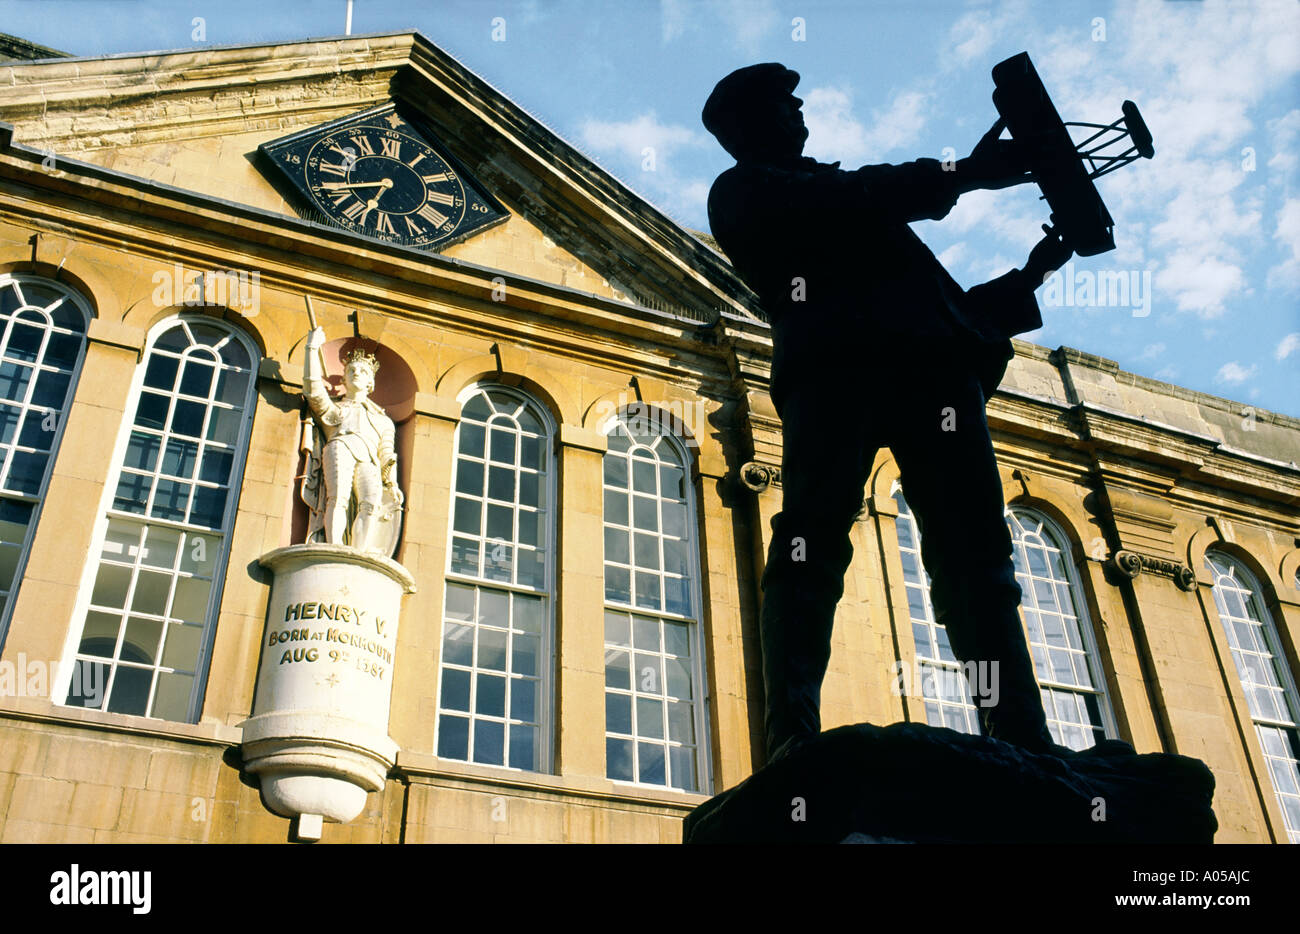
(378, 175)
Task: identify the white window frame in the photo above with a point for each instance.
(63, 681)
(1281, 670)
(1078, 597)
(83, 306)
(545, 752)
(700, 684)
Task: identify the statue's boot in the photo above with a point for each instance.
(798, 615)
(979, 607)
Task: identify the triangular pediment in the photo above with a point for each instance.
(194, 120)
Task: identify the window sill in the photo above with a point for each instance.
(425, 768)
(42, 710)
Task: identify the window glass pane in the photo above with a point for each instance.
(26, 472)
(36, 432)
(196, 378)
(151, 411)
(217, 464)
(100, 634)
(51, 389)
(618, 759)
(142, 451)
(489, 736)
(130, 691)
(469, 477)
(9, 417)
(173, 699)
(160, 372)
(180, 458)
(142, 639)
(181, 649)
(223, 424)
(25, 340)
(14, 378)
(455, 689)
(618, 713)
(232, 386)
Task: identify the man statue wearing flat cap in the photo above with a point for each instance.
(875, 345)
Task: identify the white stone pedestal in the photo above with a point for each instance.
(318, 737)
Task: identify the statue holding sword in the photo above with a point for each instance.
(350, 485)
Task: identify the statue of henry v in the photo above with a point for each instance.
(351, 480)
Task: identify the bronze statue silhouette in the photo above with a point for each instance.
(875, 345)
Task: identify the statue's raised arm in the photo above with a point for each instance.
(356, 499)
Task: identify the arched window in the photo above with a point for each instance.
(1055, 621)
(151, 594)
(495, 693)
(1267, 683)
(944, 689)
(654, 677)
(42, 340)
(1060, 636)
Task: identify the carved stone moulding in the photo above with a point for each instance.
(1132, 563)
(318, 738)
(758, 477)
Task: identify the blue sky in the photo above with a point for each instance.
(1208, 233)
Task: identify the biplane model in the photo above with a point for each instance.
(1065, 169)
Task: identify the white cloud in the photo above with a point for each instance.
(836, 135)
(1151, 351)
(972, 37)
(644, 150)
(1284, 133)
(748, 21)
(1199, 72)
(1199, 283)
(744, 23)
(1168, 373)
(833, 132)
(1287, 346)
(630, 138)
(957, 253)
(1286, 274)
(1234, 373)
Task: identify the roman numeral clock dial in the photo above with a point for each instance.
(378, 175)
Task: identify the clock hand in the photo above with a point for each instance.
(340, 186)
(384, 185)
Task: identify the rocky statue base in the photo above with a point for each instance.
(910, 783)
(318, 738)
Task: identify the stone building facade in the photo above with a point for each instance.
(590, 461)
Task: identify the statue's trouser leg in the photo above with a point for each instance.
(823, 469)
(337, 467)
(951, 482)
(369, 492)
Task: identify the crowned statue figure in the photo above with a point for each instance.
(350, 485)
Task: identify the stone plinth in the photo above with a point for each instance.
(318, 738)
(914, 783)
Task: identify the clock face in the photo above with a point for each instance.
(377, 175)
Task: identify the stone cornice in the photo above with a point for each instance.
(92, 203)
